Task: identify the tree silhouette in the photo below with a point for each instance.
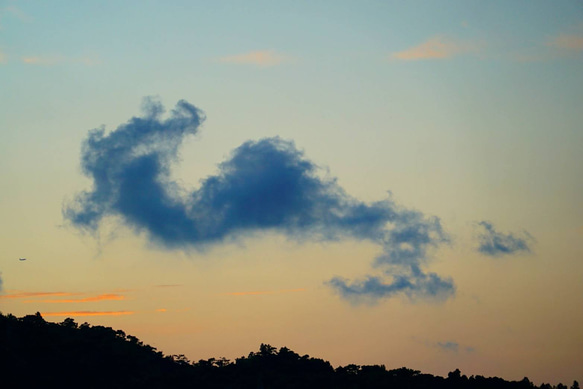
(35, 353)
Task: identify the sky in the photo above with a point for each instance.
(375, 182)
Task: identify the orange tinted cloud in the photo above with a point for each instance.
(260, 58)
(41, 60)
(58, 59)
(35, 294)
(264, 292)
(88, 313)
(101, 297)
(434, 48)
(161, 310)
(567, 42)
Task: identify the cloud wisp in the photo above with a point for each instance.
(567, 42)
(449, 346)
(437, 47)
(265, 185)
(570, 41)
(256, 293)
(453, 347)
(35, 294)
(263, 58)
(51, 60)
(88, 313)
(14, 12)
(92, 299)
(496, 244)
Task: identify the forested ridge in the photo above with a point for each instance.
(35, 353)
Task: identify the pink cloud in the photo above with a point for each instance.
(567, 42)
(434, 48)
(259, 58)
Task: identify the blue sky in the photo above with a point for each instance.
(444, 140)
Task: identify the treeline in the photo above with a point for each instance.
(38, 354)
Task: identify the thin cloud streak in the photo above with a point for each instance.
(52, 60)
(36, 294)
(434, 48)
(263, 292)
(88, 313)
(103, 297)
(41, 60)
(262, 58)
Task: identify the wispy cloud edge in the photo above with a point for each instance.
(88, 313)
(263, 58)
(493, 243)
(437, 47)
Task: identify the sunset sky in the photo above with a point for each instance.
(376, 182)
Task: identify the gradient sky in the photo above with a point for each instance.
(430, 155)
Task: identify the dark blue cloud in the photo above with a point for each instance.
(265, 185)
(496, 244)
(396, 281)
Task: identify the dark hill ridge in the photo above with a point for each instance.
(38, 354)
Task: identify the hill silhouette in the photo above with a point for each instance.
(35, 353)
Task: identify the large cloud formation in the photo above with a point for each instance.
(266, 185)
(495, 244)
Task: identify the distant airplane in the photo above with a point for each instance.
(22, 259)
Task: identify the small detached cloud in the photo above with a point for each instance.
(453, 347)
(263, 58)
(565, 45)
(449, 346)
(416, 285)
(266, 185)
(438, 47)
(496, 244)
